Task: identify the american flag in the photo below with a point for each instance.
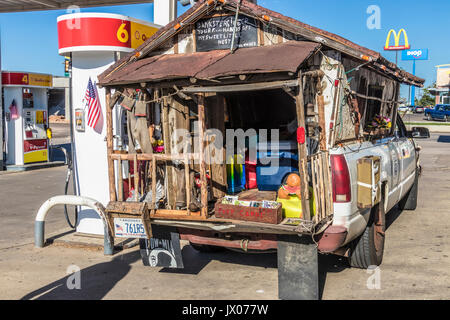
(93, 104)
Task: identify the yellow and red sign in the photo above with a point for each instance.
(35, 150)
(102, 31)
(397, 45)
(27, 79)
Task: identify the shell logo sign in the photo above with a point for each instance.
(397, 45)
(27, 79)
(102, 32)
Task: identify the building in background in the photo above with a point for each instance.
(442, 90)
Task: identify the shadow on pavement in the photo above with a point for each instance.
(392, 215)
(195, 262)
(444, 139)
(96, 281)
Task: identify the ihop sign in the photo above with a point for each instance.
(415, 54)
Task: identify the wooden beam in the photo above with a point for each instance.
(334, 113)
(202, 142)
(157, 156)
(323, 131)
(187, 179)
(109, 146)
(167, 150)
(153, 185)
(242, 87)
(120, 180)
(303, 152)
(136, 178)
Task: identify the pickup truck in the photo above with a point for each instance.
(399, 178)
(439, 112)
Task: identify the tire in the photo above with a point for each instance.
(429, 117)
(203, 248)
(368, 249)
(446, 118)
(409, 201)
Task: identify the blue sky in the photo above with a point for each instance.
(30, 42)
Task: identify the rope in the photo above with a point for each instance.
(244, 244)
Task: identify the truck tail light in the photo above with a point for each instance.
(341, 179)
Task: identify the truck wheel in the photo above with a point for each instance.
(429, 117)
(368, 249)
(203, 248)
(409, 201)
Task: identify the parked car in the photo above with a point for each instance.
(403, 109)
(419, 109)
(440, 112)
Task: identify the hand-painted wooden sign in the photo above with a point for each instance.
(217, 33)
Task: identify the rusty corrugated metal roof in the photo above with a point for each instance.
(164, 67)
(216, 64)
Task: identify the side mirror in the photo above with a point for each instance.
(419, 133)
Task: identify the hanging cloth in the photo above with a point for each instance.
(13, 110)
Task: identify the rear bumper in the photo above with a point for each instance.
(327, 242)
(260, 242)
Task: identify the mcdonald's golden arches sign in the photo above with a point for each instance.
(397, 45)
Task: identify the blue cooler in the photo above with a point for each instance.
(274, 166)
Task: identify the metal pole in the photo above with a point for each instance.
(72, 136)
(413, 90)
(409, 95)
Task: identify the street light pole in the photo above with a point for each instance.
(413, 90)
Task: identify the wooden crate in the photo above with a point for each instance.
(263, 215)
(134, 210)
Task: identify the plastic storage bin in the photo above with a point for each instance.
(250, 173)
(292, 207)
(274, 165)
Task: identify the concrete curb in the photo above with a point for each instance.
(34, 166)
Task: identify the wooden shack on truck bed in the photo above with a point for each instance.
(227, 65)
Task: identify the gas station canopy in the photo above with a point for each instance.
(34, 5)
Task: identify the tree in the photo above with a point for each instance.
(427, 98)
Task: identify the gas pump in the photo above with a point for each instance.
(26, 117)
(35, 146)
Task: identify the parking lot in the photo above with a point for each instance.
(416, 262)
